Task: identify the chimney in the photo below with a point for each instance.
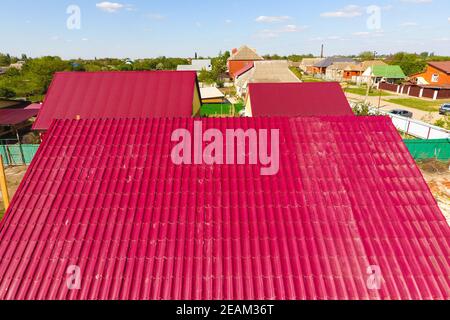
(234, 51)
(321, 52)
(196, 56)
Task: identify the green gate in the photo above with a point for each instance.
(429, 149)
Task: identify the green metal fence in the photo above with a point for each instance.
(429, 149)
(15, 154)
(420, 150)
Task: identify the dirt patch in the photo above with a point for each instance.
(14, 176)
(437, 175)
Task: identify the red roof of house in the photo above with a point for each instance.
(133, 94)
(298, 99)
(104, 195)
(247, 67)
(441, 65)
(10, 117)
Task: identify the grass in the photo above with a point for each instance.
(311, 79)
(209, 110)
(363, 91)
(2, 213)
(420, 104)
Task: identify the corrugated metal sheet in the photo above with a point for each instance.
(15, 116)
(298, 99)
(118, 95)
(104, 195)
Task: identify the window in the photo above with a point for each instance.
(435, 77)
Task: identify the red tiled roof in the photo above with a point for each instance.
(298, 99)
(118, 95)
(104, 195)
(15, 116)
(441, 65)
(248, 67)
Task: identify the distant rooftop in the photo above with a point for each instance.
(246, 53)
(196, 65)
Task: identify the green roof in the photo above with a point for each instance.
(390, 72)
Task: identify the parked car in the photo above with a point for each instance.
(445, 109)
(403, 113)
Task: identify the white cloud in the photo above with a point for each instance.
(228, 21)
(272, 19)
(362, 33)
(156, 16)
(417, 1)
(84, 39)
(110, 6)
(350, 11)
(274, 33)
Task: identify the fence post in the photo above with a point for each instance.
(3, 186)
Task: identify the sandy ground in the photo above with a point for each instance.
(437, 175)
(429, 117)
(14, 176)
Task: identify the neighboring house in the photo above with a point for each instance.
(307, 64)
(265, 72)
(321, 66)
(296, 99)
(240, 59)
(437, 73)
(106, 197)
(384, 73)
(212, 95)
(18, 65)
(124, 94)
(342, 71)
(197, 65)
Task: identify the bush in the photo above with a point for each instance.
(7, 93)
(443, 123)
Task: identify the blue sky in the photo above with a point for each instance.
(138, 28)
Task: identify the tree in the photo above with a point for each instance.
(410, 63)
(5, 60)
(366, 55)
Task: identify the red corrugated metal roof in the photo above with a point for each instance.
(104, 195)
(34, 106)
(298, 99)
(247, 67)
(134, 94)
(15, 116)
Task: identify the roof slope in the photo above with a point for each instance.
(196, 65)
(16, 116)
(273, 71)
(325, 63)
(441, 65)
(104, 195)
(245, 53)
(121, 94)
(369, 63)
(298, 99)
(210, 93)
(389, 71)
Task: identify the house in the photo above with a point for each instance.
(437, 73)
(342, 71)
(386, 73)
(321, 66)
(307, 64)
(105, 213)
(197, 65)
(212, 95)
(124, 94)
(18, 65)
(264, 72)
(241, 58)
(296, 99)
